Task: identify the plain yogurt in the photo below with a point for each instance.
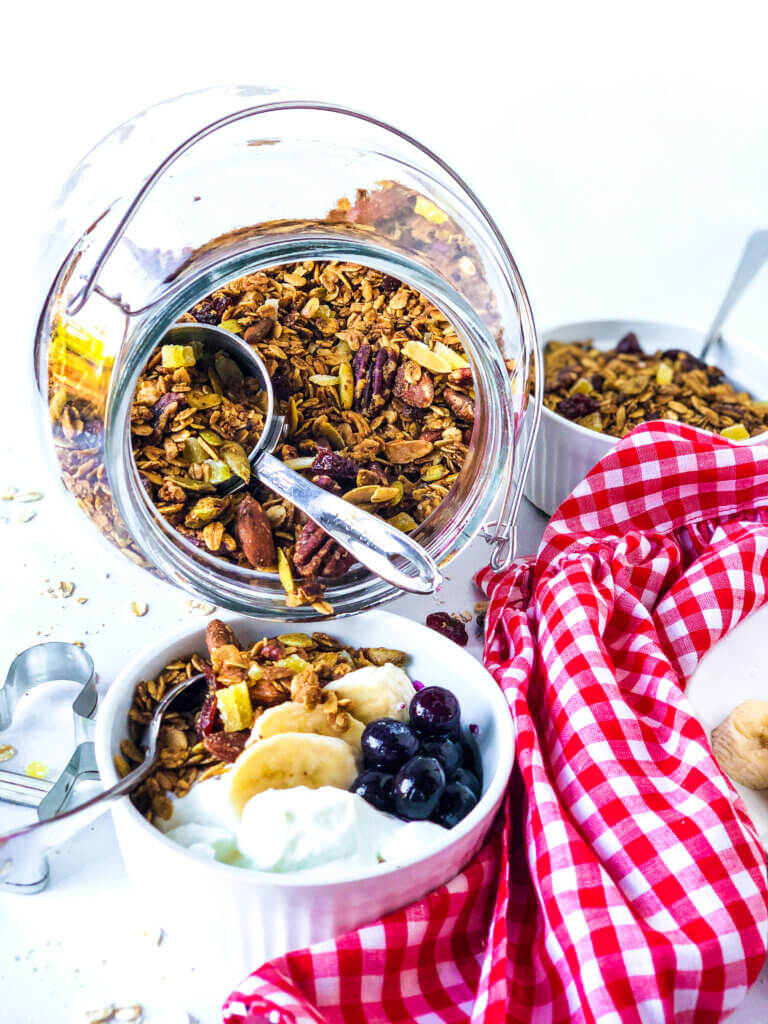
(297, 829)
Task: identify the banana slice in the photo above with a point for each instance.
(376, 691)
(740, 744)
(294, 717)
(290, 759)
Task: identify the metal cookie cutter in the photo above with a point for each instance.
(27, 872)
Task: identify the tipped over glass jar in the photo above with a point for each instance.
(377, 290)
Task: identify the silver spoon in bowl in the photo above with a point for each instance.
(21, 850)
(372, 541)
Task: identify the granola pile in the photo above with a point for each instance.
(207, 730)
(372, 378)
(612, 392)
(376, 394)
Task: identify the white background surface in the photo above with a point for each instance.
(622, 150)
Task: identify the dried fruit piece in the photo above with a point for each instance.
(452, 356)
(575, 406)
(235, 707)
(37, 770)
(403, 522)
(737, 432)
(176, 356)
(628, 344)
(426, 208)
(448, 626)
(338, 467)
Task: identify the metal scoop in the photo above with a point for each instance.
(23, 868)
(372, 541)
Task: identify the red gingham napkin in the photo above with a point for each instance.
(623, 880)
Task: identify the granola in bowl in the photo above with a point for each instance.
(612, 391)
(376, 393)
(331, 748)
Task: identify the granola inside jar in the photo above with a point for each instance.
(392, 321)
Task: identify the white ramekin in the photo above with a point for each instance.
(565, 452)
(239, 917)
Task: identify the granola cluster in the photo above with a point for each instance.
(612, 392)
(378, 402)
(208, 727)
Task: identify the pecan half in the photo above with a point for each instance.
(461, 405)
(317, 554)
(255, 534)
(259, 330)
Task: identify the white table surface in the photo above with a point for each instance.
(624, 155)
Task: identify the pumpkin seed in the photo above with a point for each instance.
(296, 640)
(361, 495)
(324, 380)
(193, 451)
(382, 495)
(212, 437)
(332, 435)
(284, 571)
(293, 415)
(346, 386)
(218, 471)
(403, 522)
(203, 400)
(228, 370)
(431, 473)
(236, 458)
(302, 462)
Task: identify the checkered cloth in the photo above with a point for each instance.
(623, 880)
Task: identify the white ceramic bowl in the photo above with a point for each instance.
(565, 452)
(242, 917)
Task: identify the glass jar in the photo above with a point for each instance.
(207, 187)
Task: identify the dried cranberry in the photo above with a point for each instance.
(692, 362)
(445, 624)
(273, 650)
(575, 406)
(567, 377)
(714, 376)
(208, 720)
(629, 345)
(327, 484)
(333, 465)
(389, 284)
(597, 380)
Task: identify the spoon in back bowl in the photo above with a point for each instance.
(21, 850)
(372, 541)
(753, 257)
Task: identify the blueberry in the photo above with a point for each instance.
(444, 749)
(377, 788)
(471, 759)
(435, 712)
(387, 744)
(455, 803)
(468, 779)
(418, 787)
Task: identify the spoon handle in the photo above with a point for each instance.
(371, 540)
(755, 254)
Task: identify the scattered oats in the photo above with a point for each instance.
(37, 770)
(67, 588)
(462, 616)
(9, 493)
(26, 515)
(6, 751)
(139, 608)
(481, 606)
(82, 600)
(29, 496)
(202, 606)
(131, 1014)
(99, 1016)
(79, 643)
